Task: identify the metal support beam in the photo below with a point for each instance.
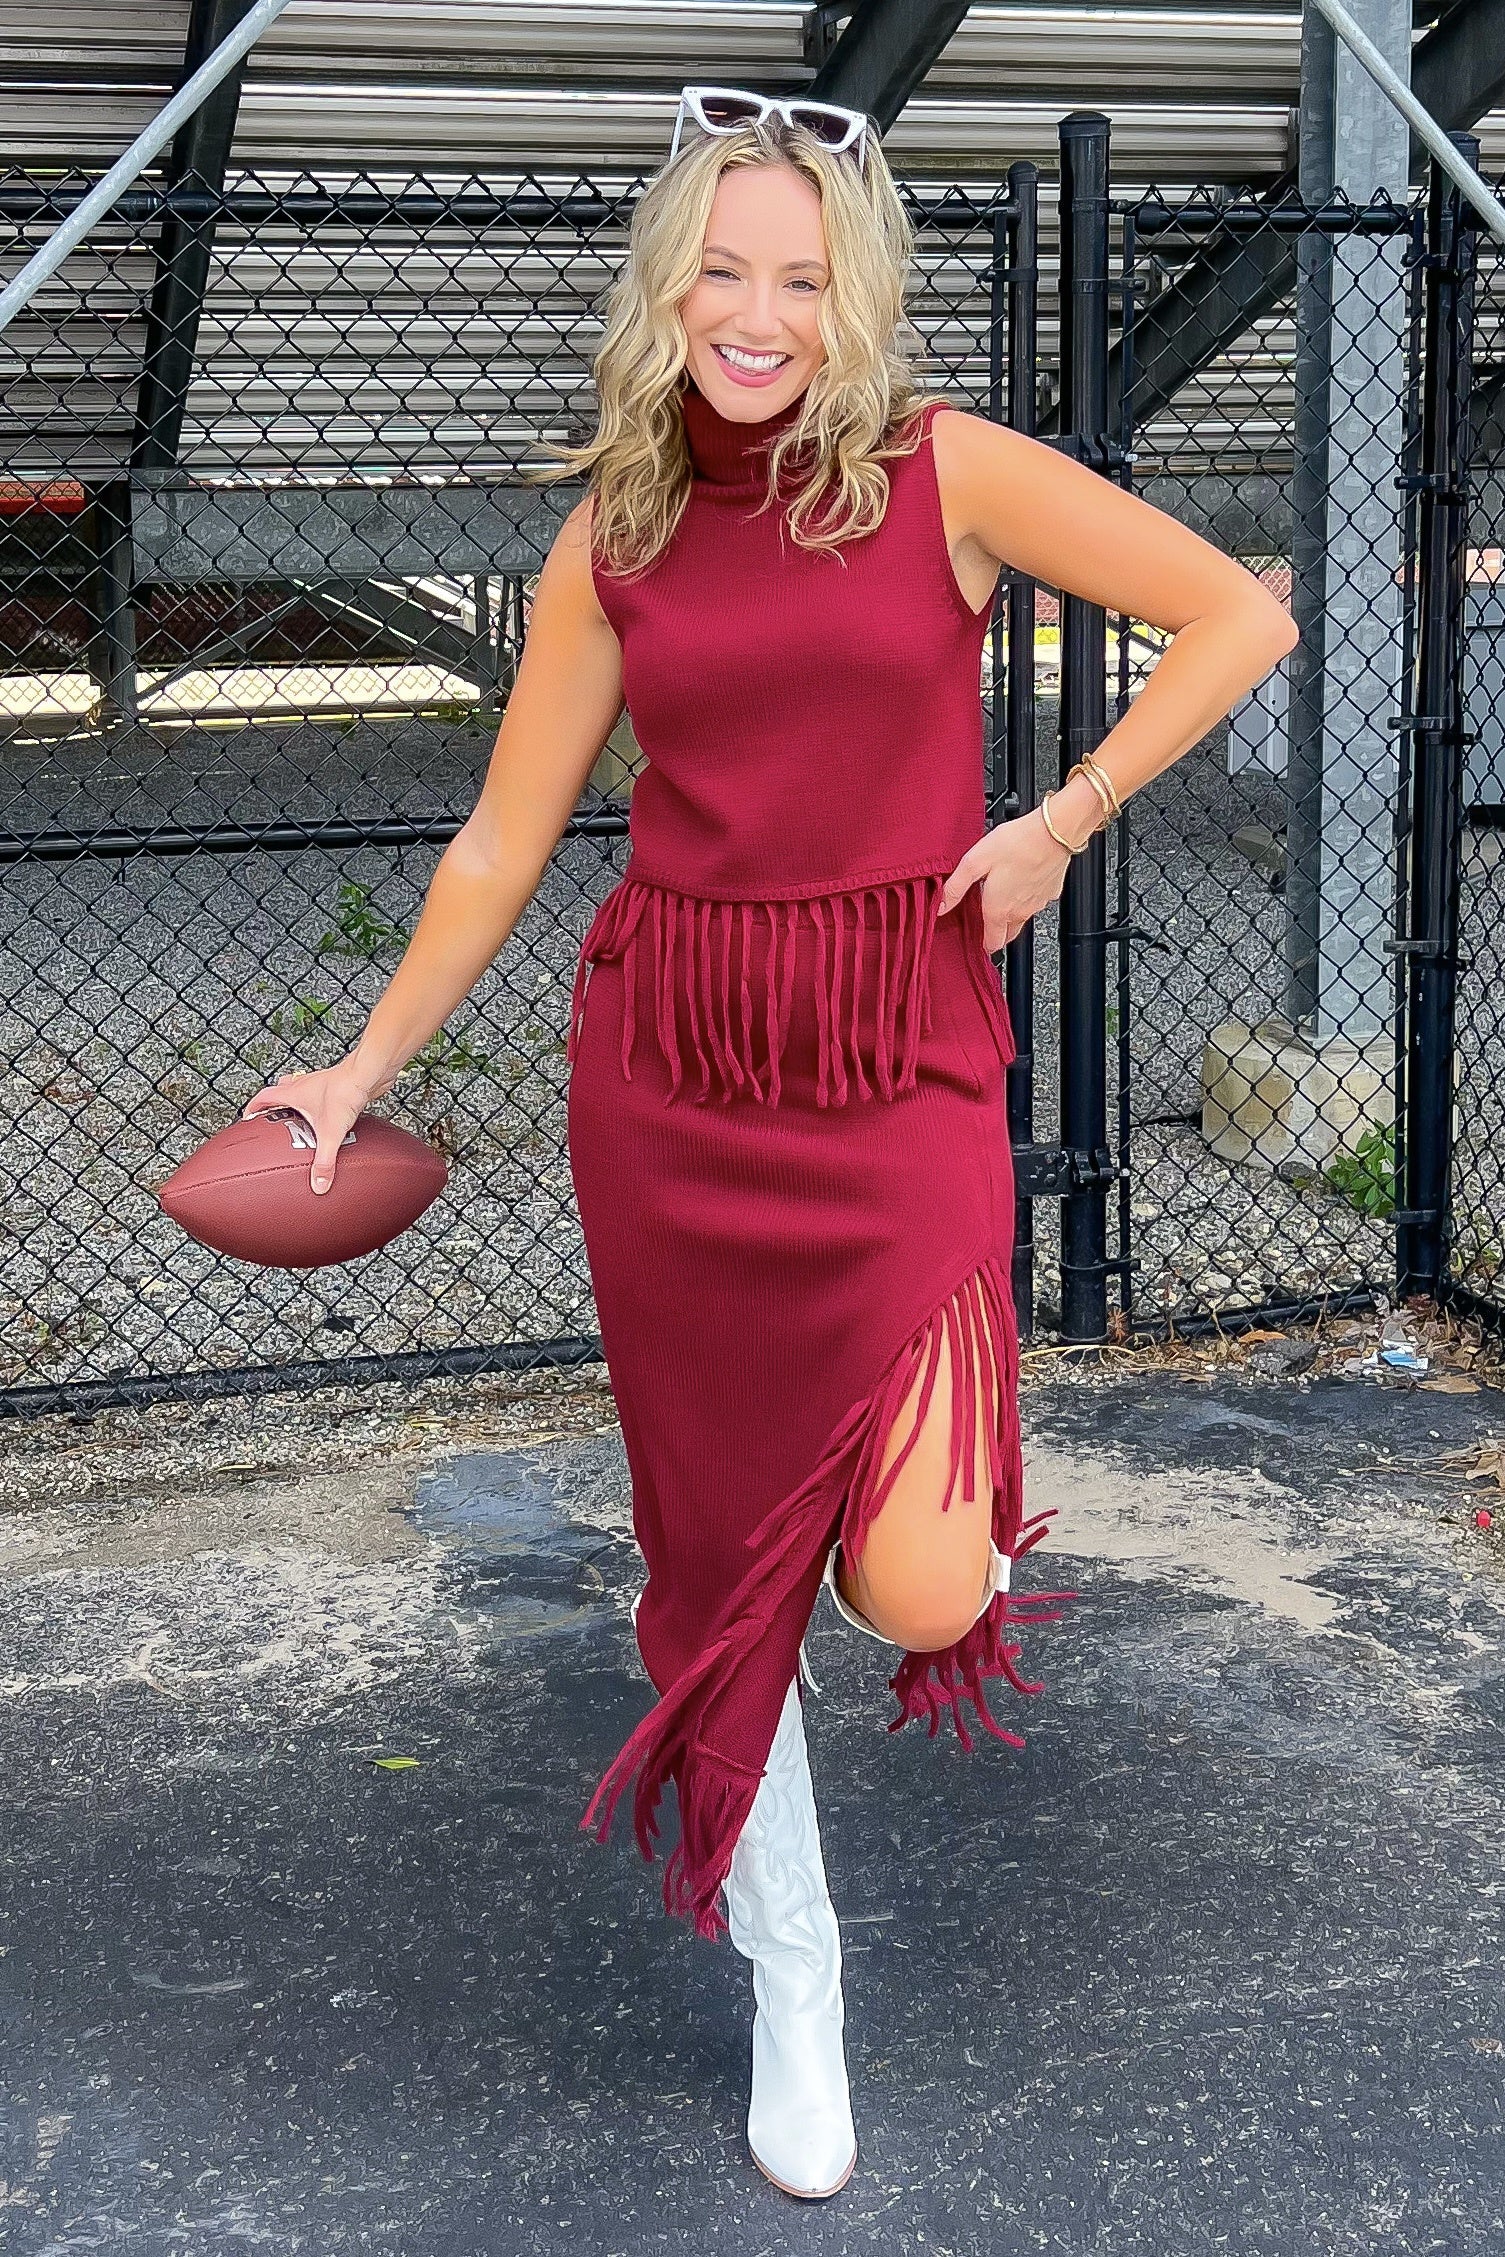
(406, 622)
(199, 156)
(114, 659)
(1347, 671)
(1458, 70)
(1457, 73)
(884, 54)
(1424, 127)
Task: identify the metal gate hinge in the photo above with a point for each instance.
(1054, 1171)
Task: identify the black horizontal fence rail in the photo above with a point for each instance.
(32, 203)
(269, 838)
(256, 632)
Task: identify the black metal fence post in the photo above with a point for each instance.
(1083, 725)
(1022, 296)
(1437, 736)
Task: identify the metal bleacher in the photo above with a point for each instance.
(480, 83)
(328, 354)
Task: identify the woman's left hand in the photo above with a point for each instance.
(1020, 869)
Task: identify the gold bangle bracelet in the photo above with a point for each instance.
(1099, 789)
(1055, 834)
(1091, 764)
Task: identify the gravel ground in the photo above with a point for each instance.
(142, 1003)
(222, 1446)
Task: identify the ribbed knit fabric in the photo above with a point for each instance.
(786, 1111)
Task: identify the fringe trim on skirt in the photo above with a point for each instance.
(713, 953)
(839, 1500)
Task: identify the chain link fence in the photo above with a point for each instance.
(256, 637)
(1476, 1249)
(258, 628)
(1262, 880)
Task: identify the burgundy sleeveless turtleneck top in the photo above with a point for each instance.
(810, 719)
(812, 725)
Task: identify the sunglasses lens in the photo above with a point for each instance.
(835, 127)
(728, 109)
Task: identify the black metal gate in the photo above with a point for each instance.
(1290, 381)
(264, 572)
(1460, 1145)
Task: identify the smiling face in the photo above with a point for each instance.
(750, 320)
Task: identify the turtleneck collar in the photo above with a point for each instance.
(725, 453)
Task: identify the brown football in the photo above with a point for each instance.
(246, 1190)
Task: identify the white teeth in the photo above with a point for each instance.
(755, 362)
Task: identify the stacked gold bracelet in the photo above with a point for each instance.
(1108, 800)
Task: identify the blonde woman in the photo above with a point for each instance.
(788, 1036)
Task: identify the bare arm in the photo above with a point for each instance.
(564, 705)
(1015, 501)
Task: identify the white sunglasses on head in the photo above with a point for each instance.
(722, 109)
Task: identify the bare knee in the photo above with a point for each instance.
(924, 1562)
(929, 1607)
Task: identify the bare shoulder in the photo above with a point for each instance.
(962, 438)
(572, 543)
(567, 574)
(991, 477)
(575, 530)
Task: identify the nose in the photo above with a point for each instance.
(758, 318)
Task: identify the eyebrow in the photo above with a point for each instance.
(722, 251)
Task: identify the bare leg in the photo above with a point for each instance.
(924, 1562)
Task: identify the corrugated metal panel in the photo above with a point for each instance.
(390, 62)
(662, 39)
(80, 38)
(1056, 50)
(1086, 52)
(64, 125)
(502, 39)
(466, 130)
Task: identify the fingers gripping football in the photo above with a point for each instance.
(330, 1104)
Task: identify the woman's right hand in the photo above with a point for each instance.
(330, 1100)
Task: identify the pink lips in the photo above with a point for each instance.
(754, 379)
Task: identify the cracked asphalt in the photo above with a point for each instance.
(302, 1948)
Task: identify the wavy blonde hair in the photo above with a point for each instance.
(855, 410)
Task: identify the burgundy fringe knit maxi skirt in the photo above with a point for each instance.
(791, 1160)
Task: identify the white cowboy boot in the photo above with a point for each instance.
(779, 1911)
(997, 1580)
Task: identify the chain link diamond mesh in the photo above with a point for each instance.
(254, 654)
(1476, 1264)
(1262, 874)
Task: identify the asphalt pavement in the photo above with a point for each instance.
(302, 1948)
